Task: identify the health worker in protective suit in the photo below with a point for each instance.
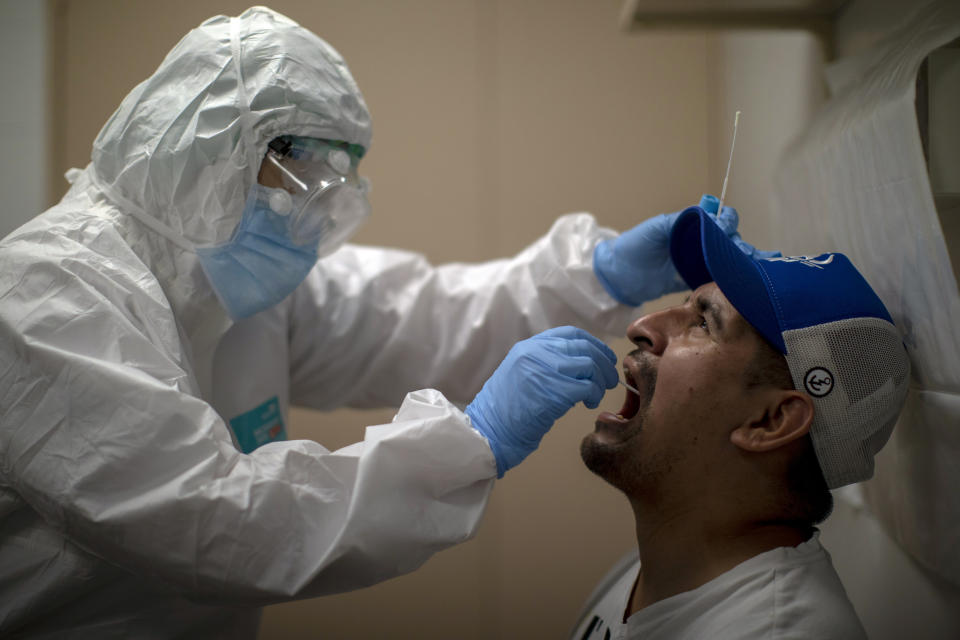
(157, 323)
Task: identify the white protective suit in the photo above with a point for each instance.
(126, 509)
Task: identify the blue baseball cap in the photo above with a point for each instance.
(837, 337)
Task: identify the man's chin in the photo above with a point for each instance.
(600, 457)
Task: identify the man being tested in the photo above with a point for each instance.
(776, 381)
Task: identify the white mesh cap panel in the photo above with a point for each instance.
(857, 373)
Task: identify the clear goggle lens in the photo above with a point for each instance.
(320, 190)
(331, 216)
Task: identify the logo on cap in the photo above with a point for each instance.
(807, 260)
(818, 381)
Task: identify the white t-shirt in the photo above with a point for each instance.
(788, 592)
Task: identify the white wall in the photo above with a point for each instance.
(23, 111)
(774, 78)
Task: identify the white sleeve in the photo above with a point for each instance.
(370, 324)
(102, 437)
(158, 488)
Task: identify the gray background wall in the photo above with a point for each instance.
(24, 76)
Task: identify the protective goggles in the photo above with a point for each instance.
(320, 193)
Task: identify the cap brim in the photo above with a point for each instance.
(702, 253)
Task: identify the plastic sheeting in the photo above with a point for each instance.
(856, 181)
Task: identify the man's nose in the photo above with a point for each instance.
(652, 331)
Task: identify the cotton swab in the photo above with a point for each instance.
(733, 143)
(628, 387)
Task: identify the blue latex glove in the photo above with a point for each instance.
(540, 380)
(635, 267)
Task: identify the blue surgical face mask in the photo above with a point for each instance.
(260, 265)
(319, 203)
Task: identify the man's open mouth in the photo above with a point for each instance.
(631, 402)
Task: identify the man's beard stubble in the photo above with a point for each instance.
(613, 461)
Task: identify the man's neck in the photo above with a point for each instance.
(685, 550)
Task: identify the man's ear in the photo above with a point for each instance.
(787, 415)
